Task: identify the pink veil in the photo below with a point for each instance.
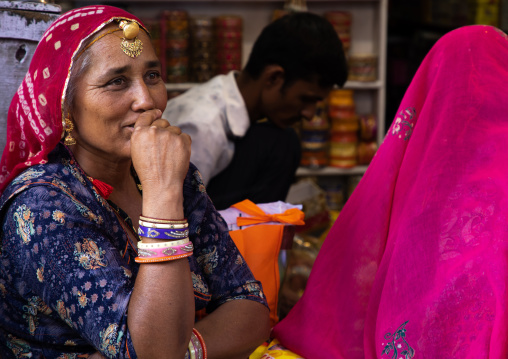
(417, 263)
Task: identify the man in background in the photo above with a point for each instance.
(243, 141)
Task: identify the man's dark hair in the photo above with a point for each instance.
(305, 45)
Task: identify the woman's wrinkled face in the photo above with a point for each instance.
(112, 93)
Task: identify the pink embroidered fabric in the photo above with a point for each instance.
(417, 263)
(34, 120)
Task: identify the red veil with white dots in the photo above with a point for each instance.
(34, 120)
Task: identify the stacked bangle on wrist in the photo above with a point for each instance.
(176, 233)
(197, 348)
(156, 233)
(163, 221)
(164, 225)
(162, 251)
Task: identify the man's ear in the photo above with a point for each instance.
(273, 76)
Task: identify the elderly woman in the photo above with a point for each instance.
(76, 278)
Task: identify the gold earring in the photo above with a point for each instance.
(69, 126)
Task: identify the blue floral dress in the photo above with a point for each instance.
(67, 265)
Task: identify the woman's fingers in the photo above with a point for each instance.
(148, 117)
(162, 123)
(160, 152)
(186, 138)
(153, 118)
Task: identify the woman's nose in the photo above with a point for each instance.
(143, 99)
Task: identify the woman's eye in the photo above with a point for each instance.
(117, 82)
(154, 75)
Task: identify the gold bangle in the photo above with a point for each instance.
(163, 225)
(165, 221)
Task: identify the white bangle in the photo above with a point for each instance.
(162, 244)
(192, 351)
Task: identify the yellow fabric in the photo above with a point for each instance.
(260, 246)
(257, 215)
(272, 351)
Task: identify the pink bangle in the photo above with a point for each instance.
(161, 259)
(184, 248)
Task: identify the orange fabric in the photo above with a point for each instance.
(257, 215)
(260, 247)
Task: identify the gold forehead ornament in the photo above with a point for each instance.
(130, 45)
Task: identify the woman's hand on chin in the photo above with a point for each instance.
(160, 153)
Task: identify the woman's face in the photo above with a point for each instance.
(112, 93)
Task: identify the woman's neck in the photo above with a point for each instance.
(116, 173)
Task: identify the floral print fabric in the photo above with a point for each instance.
(67, 265)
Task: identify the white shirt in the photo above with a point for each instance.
(213, 114)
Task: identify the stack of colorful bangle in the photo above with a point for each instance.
(176, 236)
(197, 347)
